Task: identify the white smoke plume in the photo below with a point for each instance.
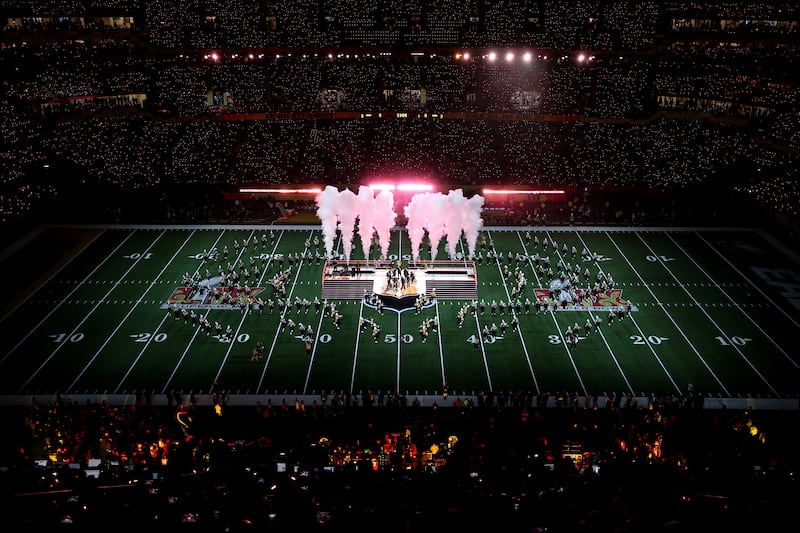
(444, 217)
(384, 220)
(438, 216)
(454, 213)
(366, 218)
(472, 222)
(426, 212)
(415, 214)
(327, 207)
(347, 214)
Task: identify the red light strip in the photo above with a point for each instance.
(257, 190)
(521, 191)
(414, 187)
(402, 187)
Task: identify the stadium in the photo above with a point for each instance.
(506, 262)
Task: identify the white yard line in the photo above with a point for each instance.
(750, 282)
(99, 303)
(674, 323)
(66, 263)
(519, 329)
(555, 321)
(244, 315)
(702, 309)
(398, 337)
(483, 350)
(197, 330)
(602, 335)
(439, 337)
(160, 324)
(399, 342)
(286, 309)
(313, 350)
(639, 329)
(316, 333)
(125, 318)
(65, 298)
(358, 338)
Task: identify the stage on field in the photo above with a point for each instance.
(451, 280)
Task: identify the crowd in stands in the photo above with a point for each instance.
(646, 111)
(121, 111)
(132, 95)
(530, 463)
(124, 153)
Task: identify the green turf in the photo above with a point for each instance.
(714, 308)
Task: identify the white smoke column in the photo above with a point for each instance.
(415, 214)
(472, 222)
(327, 206)
(437, 217)
(366, 217)
(347, 214)
(384, 219)
(454, 213)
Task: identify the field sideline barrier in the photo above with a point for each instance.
(425, 400)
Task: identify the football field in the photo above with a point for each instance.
(713, 310)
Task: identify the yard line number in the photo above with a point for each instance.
(652, 339)
(391, 338)
(66, 337)
(739, 341)
(145, 337)
(637, 339)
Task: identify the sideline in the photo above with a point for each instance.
(425, 400)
